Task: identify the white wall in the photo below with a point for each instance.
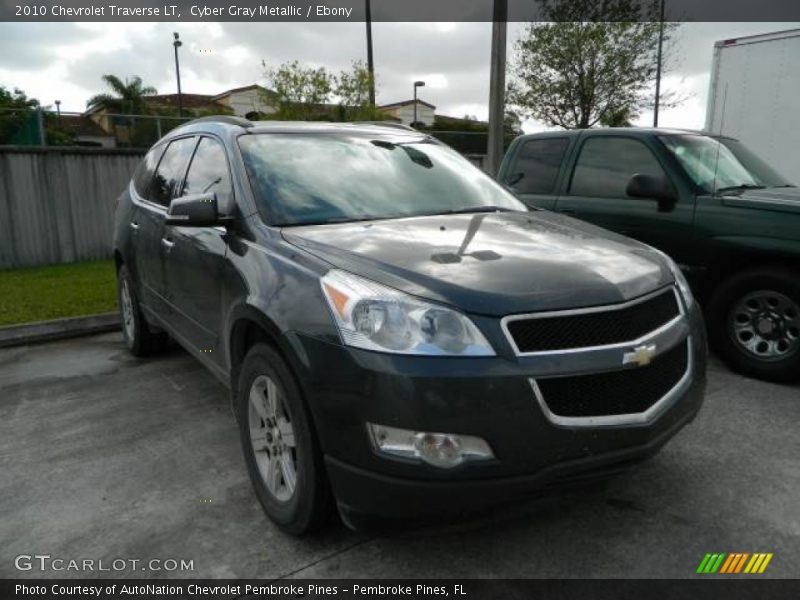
(424, 114)
(247, 101)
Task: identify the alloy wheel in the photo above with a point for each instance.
(272, 438)
(127, 311)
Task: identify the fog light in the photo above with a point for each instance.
(445, 450)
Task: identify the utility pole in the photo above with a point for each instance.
(497, 87)
(417, 84)
(658, 66)
(370, 63)
(177, 44)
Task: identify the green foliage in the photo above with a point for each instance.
(512, 125)
(576, 74)
(299, 91)
(352, 89)
(127, 97)
(307, 94)
(16, 112)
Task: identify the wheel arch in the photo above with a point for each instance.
(736, 263)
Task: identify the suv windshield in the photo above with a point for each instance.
(300, 178)
(716, 167)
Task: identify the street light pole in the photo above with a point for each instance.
(497, 87)
(417, 84)
(177, 44)
(658, 66)
(370, 64)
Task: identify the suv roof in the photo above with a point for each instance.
(221, 123)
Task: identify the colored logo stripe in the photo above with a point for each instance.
(734, 563)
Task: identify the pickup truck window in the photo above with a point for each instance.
(713, 166)
(536, 166)
(606, 165)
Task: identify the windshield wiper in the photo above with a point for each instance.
(472, 209)
(740, 188)
(331, 221)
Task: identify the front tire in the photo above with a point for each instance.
(754, 323)
(139, 339)
(280, 450)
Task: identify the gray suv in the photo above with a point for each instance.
(401, 336)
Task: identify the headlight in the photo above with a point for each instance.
(680, 279)
(375, 317)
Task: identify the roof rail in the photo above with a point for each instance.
(230, 120)
(387, 124)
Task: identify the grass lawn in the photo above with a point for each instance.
(43, 293)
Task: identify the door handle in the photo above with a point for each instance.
(565, 211)
(134, 226)
(167, 244)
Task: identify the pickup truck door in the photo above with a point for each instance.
(595, 192)
(533, 169)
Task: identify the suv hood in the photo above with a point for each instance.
(781, 199)
(491, 263)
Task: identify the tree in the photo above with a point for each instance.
(301, 92)
(127, 98)
(16, 112)
(574, 73)
(352, 90)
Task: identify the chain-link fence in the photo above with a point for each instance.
(39, 127)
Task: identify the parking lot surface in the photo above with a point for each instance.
(105, 456)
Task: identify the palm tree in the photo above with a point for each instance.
(128, 97)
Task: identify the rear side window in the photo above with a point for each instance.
(606, 165)
(144, 174)
(536, 166)
(171, 170)
(209, 173)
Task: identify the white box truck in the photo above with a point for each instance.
(754, 96)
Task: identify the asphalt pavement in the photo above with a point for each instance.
(104, 456)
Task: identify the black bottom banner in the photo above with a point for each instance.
(346, 589)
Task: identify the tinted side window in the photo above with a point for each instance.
(144, 173)
(606, 164)
(536, 166)
(171, 170)
(209, 173)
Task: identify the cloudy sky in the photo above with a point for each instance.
(64, 61)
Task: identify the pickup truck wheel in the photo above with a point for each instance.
(280, 450)
(754, 323)
(139, 339)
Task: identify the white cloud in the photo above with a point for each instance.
(66, 60)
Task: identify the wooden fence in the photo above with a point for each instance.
(57, 204)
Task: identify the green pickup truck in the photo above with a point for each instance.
(723, 214)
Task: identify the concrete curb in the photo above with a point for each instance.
(45, 331)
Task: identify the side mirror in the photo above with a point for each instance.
(651, 188)
(198, 210)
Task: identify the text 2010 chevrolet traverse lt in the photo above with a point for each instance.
(400, 334)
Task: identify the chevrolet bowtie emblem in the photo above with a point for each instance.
(641, 355)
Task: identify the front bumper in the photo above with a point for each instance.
(362, 492)
(491, 398)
